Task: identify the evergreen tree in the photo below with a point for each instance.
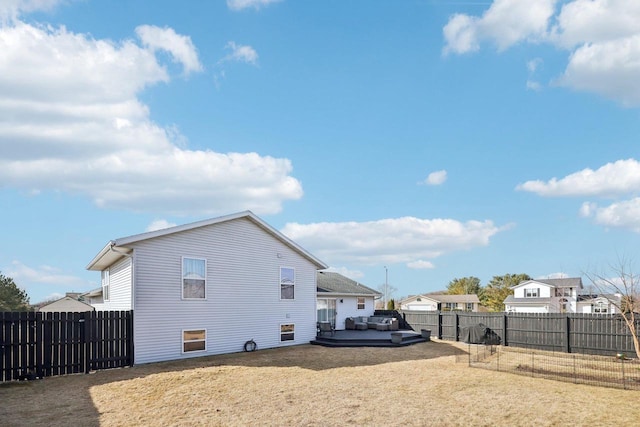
(12, 298)
(499, 288)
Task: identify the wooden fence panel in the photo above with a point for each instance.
(34, 344)
(571, 333)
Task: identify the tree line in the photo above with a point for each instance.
(492, 295)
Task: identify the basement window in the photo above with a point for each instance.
(287, 332)
(194, 340)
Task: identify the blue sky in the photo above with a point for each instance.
(440, 139)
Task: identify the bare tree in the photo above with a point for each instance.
(621, 287)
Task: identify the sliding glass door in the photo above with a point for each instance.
(326, 310)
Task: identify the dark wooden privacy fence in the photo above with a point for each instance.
(570, 333)
(34, 344)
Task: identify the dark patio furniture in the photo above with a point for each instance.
(326, 327)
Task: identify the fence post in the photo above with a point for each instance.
(86, 341)
(439, 325)
(456, 325)
(504, 329)
(567, 335)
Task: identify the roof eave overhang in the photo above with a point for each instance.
(347, 294)
(107, 256)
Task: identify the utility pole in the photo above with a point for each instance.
(386, 286)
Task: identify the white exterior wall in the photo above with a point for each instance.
(545, 291)
(420, 306)
(120, 280)
(526, 309)
(349, 308)
(242, 292)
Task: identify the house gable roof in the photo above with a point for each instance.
(116, 249)
(567, 282)
(330, 282)
(67, 303)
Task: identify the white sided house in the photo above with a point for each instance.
(441, 302)
(545, 296)
(340, 297)
(210, 286)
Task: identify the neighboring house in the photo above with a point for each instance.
(67, 303)
(599, 304)
(441, 302)
(93, 297)
(340, 297)
(210, 286)
(545, 296)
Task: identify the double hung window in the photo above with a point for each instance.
(287, 283)
(532, 293)
(106, 282)
(194, 282)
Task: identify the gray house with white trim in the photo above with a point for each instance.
(209, 286)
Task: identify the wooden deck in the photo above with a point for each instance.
(368, 338)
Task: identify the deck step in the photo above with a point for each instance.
(330, 342)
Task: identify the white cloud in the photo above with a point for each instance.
(44, 282)
(388, 241)
(244, 4)
(421, 265)
(620, 177)
(601, 36)
(160, 224)
(43, 274)
(505, 23)
(352, 274)
(610, 69)
(180, 47)
(534, 64)
(436, 178)
(71, 121)
(595, 21)
(10, 10)
(625, 214)
(241, 53)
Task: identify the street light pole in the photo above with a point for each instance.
(386, 286)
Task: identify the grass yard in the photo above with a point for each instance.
(312, 385)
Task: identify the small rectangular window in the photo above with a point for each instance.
(105, 285)
(287, 332)
(194, 282)
(195, 340)
(532, 293)
(287, 283)
(360, 303)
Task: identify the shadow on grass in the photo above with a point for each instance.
(67, 400)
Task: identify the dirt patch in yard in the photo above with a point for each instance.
(312, 385)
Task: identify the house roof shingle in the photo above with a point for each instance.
(336, 283)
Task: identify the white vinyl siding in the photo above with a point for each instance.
(120, 282)
(348, 308)
(243, 295)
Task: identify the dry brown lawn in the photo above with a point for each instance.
(311, 385)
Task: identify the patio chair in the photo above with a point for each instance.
(326, 327)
